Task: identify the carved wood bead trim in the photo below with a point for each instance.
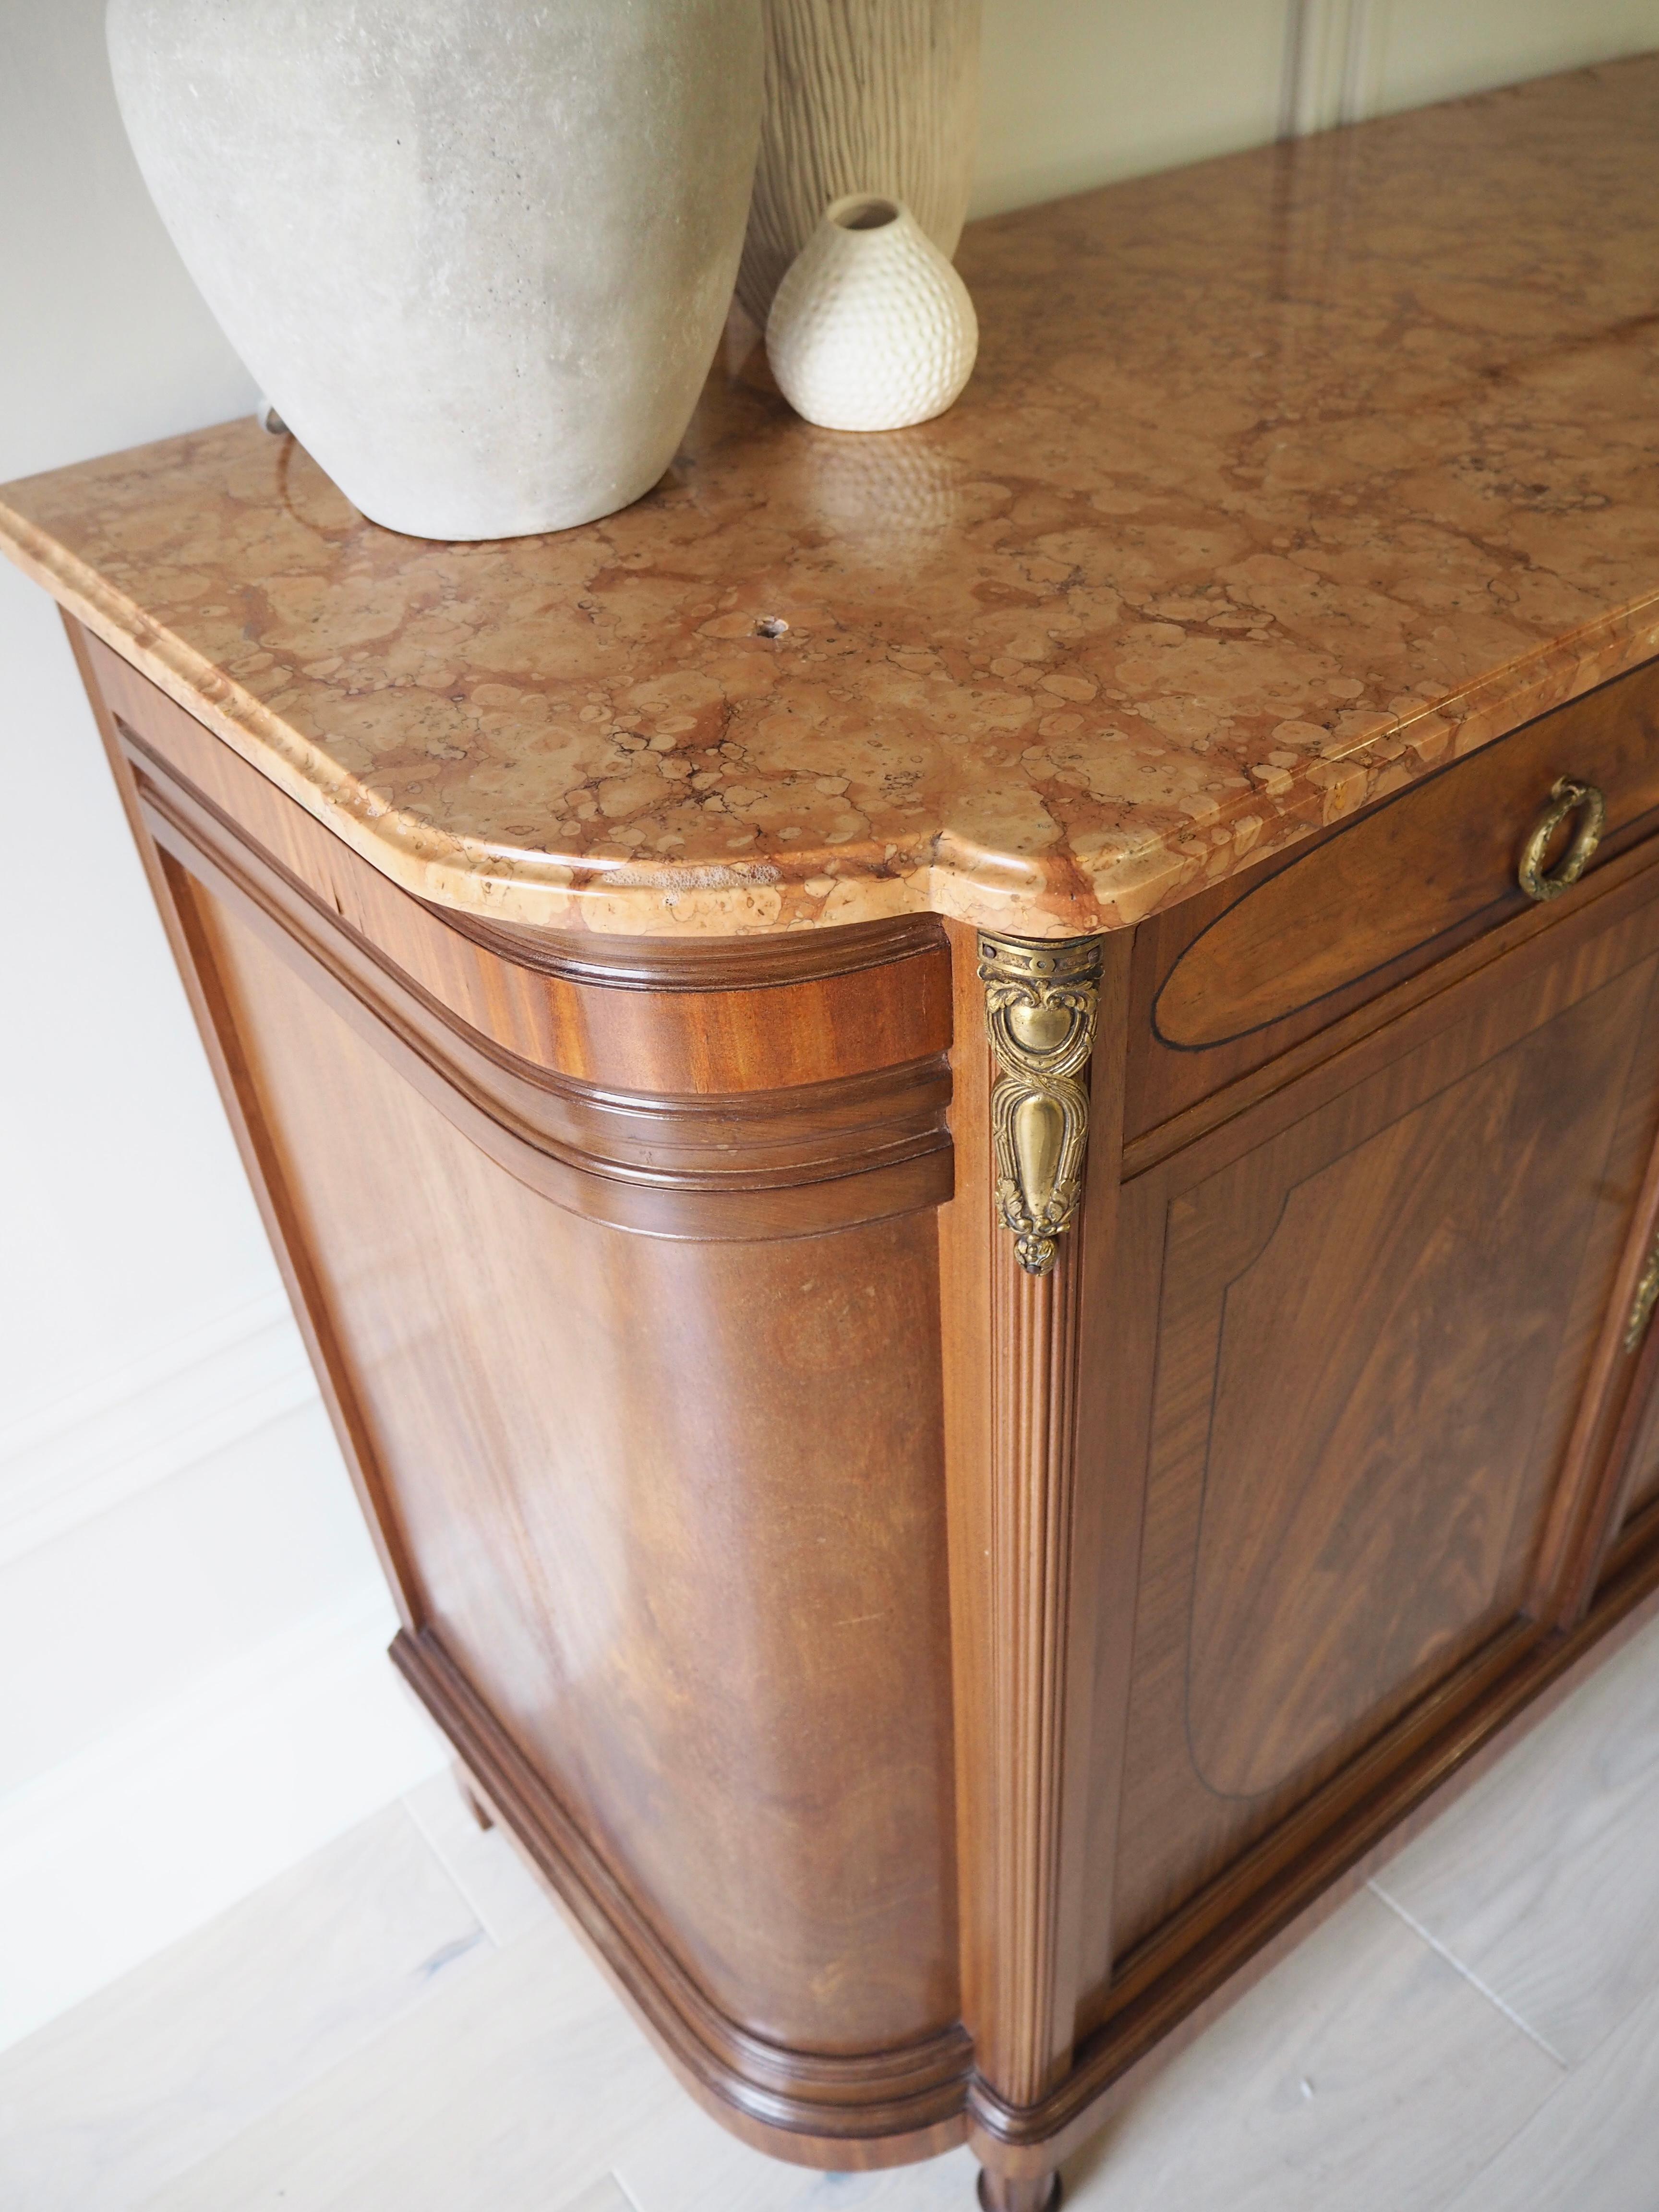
(1041, 1004)
(720, 964)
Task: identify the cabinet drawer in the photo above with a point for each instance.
(1230, 979)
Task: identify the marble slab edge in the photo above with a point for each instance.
(936, 872)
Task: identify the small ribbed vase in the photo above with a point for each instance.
(871, 329)
(861, 96)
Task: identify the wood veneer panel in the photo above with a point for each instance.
(677, 1511)
(1414, 1262)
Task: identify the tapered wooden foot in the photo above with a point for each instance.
(1025, 2192)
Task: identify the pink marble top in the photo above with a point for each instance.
(1281, 480)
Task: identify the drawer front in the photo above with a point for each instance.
(1228, 980)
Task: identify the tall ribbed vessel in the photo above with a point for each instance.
(871, 96)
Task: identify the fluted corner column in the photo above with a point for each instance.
(1040, 1032)
(1042, 1002)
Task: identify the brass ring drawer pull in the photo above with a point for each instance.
(1567, 796)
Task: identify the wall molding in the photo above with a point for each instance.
(98, 1445)
(1333, 64)
(156, 1828)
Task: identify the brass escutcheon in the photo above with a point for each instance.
(1567, 796)
(1042, 1000)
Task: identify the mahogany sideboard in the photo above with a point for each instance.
(967, 1126)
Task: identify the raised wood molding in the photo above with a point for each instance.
(723, 963)
(862, 1146)
(1362, 1033)
(1583, 1524)
(1026, 2039)
(101, 1444)
(643, 1017)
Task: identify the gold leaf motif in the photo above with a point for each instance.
(1042, 1002)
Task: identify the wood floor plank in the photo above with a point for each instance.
(605, 2196)
(511, 2092)
(1544, 1881)
(684, 2161)
(1594, 2146)
(154, 2073)
(350, 2038)
(483, 1866)
(1364, 2072)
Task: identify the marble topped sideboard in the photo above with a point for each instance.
(965, 1123)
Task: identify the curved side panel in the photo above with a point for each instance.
(676, 1514)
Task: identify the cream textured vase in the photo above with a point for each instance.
(871, 329)
(861, 96)
(478, 253)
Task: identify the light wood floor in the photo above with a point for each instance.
(403, 2025)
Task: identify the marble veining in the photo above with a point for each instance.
(1281, 480)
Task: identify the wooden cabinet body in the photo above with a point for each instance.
(935, 1688)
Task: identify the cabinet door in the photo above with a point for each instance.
(1376, 1298)
(1636, 1450)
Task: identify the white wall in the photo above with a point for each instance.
(190, 1621)
(190, 1618)
(1078, 92)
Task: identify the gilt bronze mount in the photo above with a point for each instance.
(1042, 1000)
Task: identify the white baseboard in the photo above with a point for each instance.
(140, 1424)
(152, 1832)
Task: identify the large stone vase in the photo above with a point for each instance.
(868, 96)
(478, 253)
